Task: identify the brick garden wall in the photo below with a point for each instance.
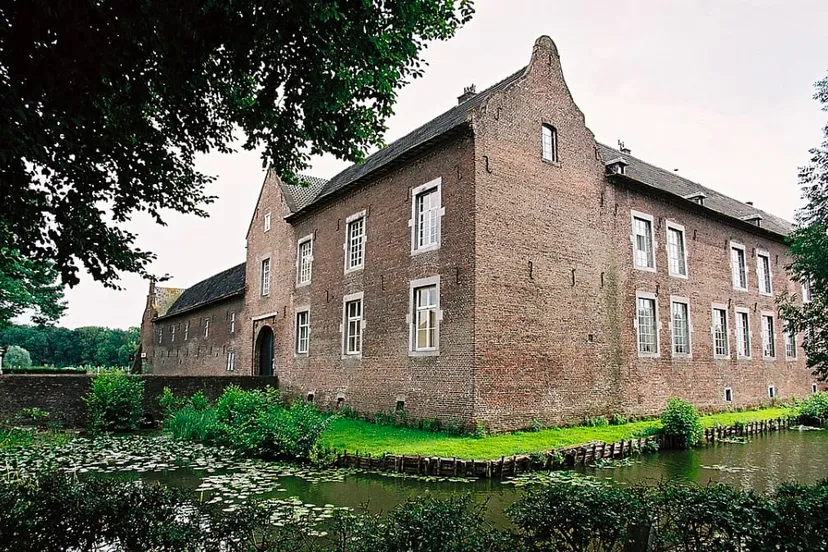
(62, 396)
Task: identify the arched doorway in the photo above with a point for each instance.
(264, 350)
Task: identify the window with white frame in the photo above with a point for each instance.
(355, 242)
(771, 392)
(265, 277)
(643, 241)
(352, 326)
(267, 222)
(186, 330)
(304, 260)
(549, 138)
(426, 213)
(763, 272)
(160, 335)
(728, 395)
(676, 251)
(206, 327)
(231, 361)
(232, 322)
(680, 313)
(768, 337)
(814, 388)
(172, 333)
(743, 333)
(738, 267)
(302, 332)
(806, 291)
(721, 346)
(647, 324)
(790, 342)
(425, 318)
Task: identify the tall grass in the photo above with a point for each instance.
(191, 424)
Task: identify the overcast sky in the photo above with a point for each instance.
(720, 90)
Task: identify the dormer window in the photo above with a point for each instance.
(550, 143)
(696, 197)
(754, 219)
(617, 166)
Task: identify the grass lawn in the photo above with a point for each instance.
(376, 439)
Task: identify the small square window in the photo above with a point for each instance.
(814, 388)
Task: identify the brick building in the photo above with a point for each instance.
(498, 264)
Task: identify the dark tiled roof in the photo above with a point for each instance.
(298, 197)
(672, 183)
(224, 284)
(452, 118)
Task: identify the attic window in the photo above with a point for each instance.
(696, 197)
(549, 138)
(617, 166)
(754, 219)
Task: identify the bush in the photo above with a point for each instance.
(17, 357)
(618, 419)
(597, 421)
(814, 409)
(680, 421)
(191, 424)
(115, 402)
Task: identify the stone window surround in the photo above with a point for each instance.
(412, 222)
(654, 297)
(736, 312)
(772, 337)
(299, 244)
(759, 254)
(726, 309)
(737, 245)
(653, 243)
(680, 228)
(410, 317)
(344, 321)
(296, 312)
(689, 354)
(346, 246)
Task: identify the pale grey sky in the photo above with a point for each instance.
(720, 90)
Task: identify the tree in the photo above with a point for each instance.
(27, 285)
(106, 104)
(809, 249)
(17, 357)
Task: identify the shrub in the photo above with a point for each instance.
(169, 403)
(618, 419)
(191, 424)
(597, 421)
(680, 421)
(479, 429)
(115, 402)
(17, 357)
(537, 426)
(34, 416)
(814, 409)
(453, 427)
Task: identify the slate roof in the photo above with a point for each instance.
(220, 286)
(438, 126)
(298, 197)
(672, 183)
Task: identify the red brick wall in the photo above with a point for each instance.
(439, 386)
(198, 355)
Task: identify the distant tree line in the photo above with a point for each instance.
(91, 345)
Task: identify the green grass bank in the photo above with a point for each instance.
(376, 439)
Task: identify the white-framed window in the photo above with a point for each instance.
(768, 336)
(304, 260)
(728, 394)
(681, 326)
(206, 327)
(790, 343)
(549, 139)
(232, 322)
(424, 316)
(771, 392)
(721, 341)
(742, 332)
(738, 266)
(267, 222)
(265, 277)
(302, 331)
(807, 297)
(231, 361)
(676, 250)
(763, 272)
(642, 240)
(172, 333)
(353, 324)
(355, 242)
(426, 215)
(646, 324)
(186, 330)
(814, 388)
(160, 335)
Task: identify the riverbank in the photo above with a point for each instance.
(369, 438)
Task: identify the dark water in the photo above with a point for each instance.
(761, 465)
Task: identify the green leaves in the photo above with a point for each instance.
(27, 285)
(107, 104)
(681, 421)
(115, 402)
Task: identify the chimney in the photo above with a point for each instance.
(624, 149)
(468, 93)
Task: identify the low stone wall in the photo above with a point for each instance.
(62, 395)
